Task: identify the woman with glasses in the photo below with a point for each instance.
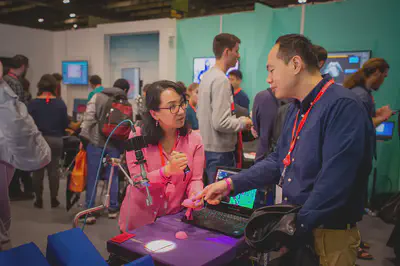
(175, 158)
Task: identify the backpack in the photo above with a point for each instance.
(117, 109)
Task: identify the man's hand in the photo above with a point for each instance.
(254, 133)
(246, 123)
(214, 193)
(384, 112)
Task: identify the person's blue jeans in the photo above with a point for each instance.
(93, 159)
(214, 159)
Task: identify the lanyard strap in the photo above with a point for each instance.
(12, 75)
(295, 133)
(160, 149)
(237, 91)
(194, 108)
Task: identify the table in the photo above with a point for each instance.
(202, 248)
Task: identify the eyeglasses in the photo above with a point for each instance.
(174, 109)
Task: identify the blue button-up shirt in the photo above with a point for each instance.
(331, 161)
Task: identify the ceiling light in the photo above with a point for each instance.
(72, 15)
(75, 26)
(66, 1)
(302, 1)
(41, 20)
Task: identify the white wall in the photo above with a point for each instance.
(93, 45)
(37, 45)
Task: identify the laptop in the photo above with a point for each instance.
(228, 217)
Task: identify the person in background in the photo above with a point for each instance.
(20, 176)
(140, 106)
(15, 79)
(367, 79)
(322, 55)
(91, 134)
(218, 124)
(323, 165)
(50, 116)
(17, 133)
(239, 95)
(265, 110)
(58, 78)
(173, 146)
(95, 85)
(20, 65)
(191, 110)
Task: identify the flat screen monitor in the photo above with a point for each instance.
(385, 131)
(75, 72)
(202, 64)
(342, 64)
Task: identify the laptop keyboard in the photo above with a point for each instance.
(228, 224)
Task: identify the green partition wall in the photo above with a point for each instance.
(342, 26)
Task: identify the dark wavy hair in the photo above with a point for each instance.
(47, 83)
(152, 132)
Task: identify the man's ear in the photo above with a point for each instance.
(297, 63)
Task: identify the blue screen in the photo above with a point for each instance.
(385, 129)
(245, 199)
(75, 72)
(202, 64)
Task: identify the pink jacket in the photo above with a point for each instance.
(167, 193)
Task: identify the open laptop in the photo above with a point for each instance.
(229, 218)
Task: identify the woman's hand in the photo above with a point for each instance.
(198, 203)
(176, 164)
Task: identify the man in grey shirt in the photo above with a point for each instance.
(217, 121)
(22, 146)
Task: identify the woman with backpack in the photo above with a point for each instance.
(175, 159)
(103, 113)
(51, 118)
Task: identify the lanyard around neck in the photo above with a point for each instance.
(295, 133)
(160, 149)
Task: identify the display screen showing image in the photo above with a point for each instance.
(75, 72)
(245, 199)
(202, 64)
(342, 64)
(385, 129)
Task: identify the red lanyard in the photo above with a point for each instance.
(194, 108)
(237, 91)
(160, 149)
(12, 75)
(295, 133)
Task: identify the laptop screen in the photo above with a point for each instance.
(245, 199)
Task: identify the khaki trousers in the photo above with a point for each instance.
(337, 247)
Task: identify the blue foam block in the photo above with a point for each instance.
(72, 248)
(28, 254)
(144, 261)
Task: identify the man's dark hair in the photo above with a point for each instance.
(224, 41)
(57, 76)
(47, 83)
(19, 61)
(123, 84)
(296, 44)
(321, 53)
(236, 73)
(95, 80)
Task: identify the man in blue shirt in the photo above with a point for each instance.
(323, 157)
(239, 96)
